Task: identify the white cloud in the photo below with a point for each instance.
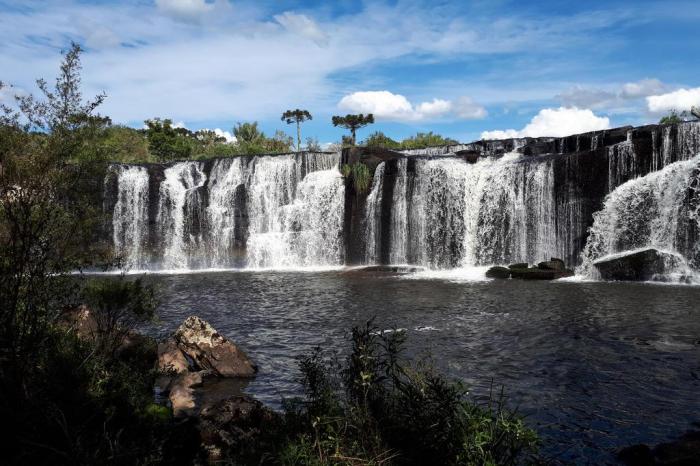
(682, 99)
(555, 122)
(643, 88)
(230, 138)
(465, 108)
(185, 10)
(389, 106)
(302, 25)
(623, 98)
(433, 109)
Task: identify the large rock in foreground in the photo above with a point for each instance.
(640, 265)
(208, 350)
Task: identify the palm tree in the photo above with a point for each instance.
(296, 116)
(353, 122)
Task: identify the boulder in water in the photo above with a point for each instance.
(519, 265)
(181, 392)
(639, 265)
(537, 273)
(552, 264)
(208, 350)
(170, 358)
(498, 272)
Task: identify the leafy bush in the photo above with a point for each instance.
(375, 409)
(359, 175)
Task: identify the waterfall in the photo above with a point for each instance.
(225, 212)
(179, 214)
(130, 218)
(660, 210)
(294, 220)
(450, 213)
(373, 217)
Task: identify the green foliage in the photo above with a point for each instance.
(353, 123)
(419, 141)
(423, 140)
(359, 175)
(253, 141)
(126, 145)
(374, 409)
(379, 139)
(165, 142)
(71, 400)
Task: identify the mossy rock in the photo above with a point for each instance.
(519, 265)
(498, 272)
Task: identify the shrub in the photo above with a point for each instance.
(375, 409)
(359, 175)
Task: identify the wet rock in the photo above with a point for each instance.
(640, 265)
(208, 350)
(171, 358)
(682, 452)
(552, 264)
(536, 273)
(498, 272)
(239, 423)
(397, 269)
(181, 392)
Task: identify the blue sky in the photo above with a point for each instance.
(465, 69)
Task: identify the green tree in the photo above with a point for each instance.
(248, 134)
(423, 140)
(353, 123)
(312, 145)
(379, 139)
(297, 116)
(166, 142)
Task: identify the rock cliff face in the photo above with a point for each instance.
(486, 202)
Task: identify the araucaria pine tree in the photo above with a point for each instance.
(296, 116)
(353, 122)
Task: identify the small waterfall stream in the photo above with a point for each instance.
(130, 217)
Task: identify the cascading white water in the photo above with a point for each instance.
(373, 214)
(178, 211)
(294, 221)
(622, 162)
(660, 210)
(227, 178)
(130, 217)
(399, 216)
(450, 213)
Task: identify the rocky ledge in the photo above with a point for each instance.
(547, 270)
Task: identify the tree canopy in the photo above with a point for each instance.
(353, 123)
(297, 116)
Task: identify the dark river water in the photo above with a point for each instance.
(593, 366)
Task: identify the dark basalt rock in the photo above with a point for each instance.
(536, 273)
(640, 265)
(498, 272)
(552, 264)
(396, 269)
(520, 265)
(682, 452)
